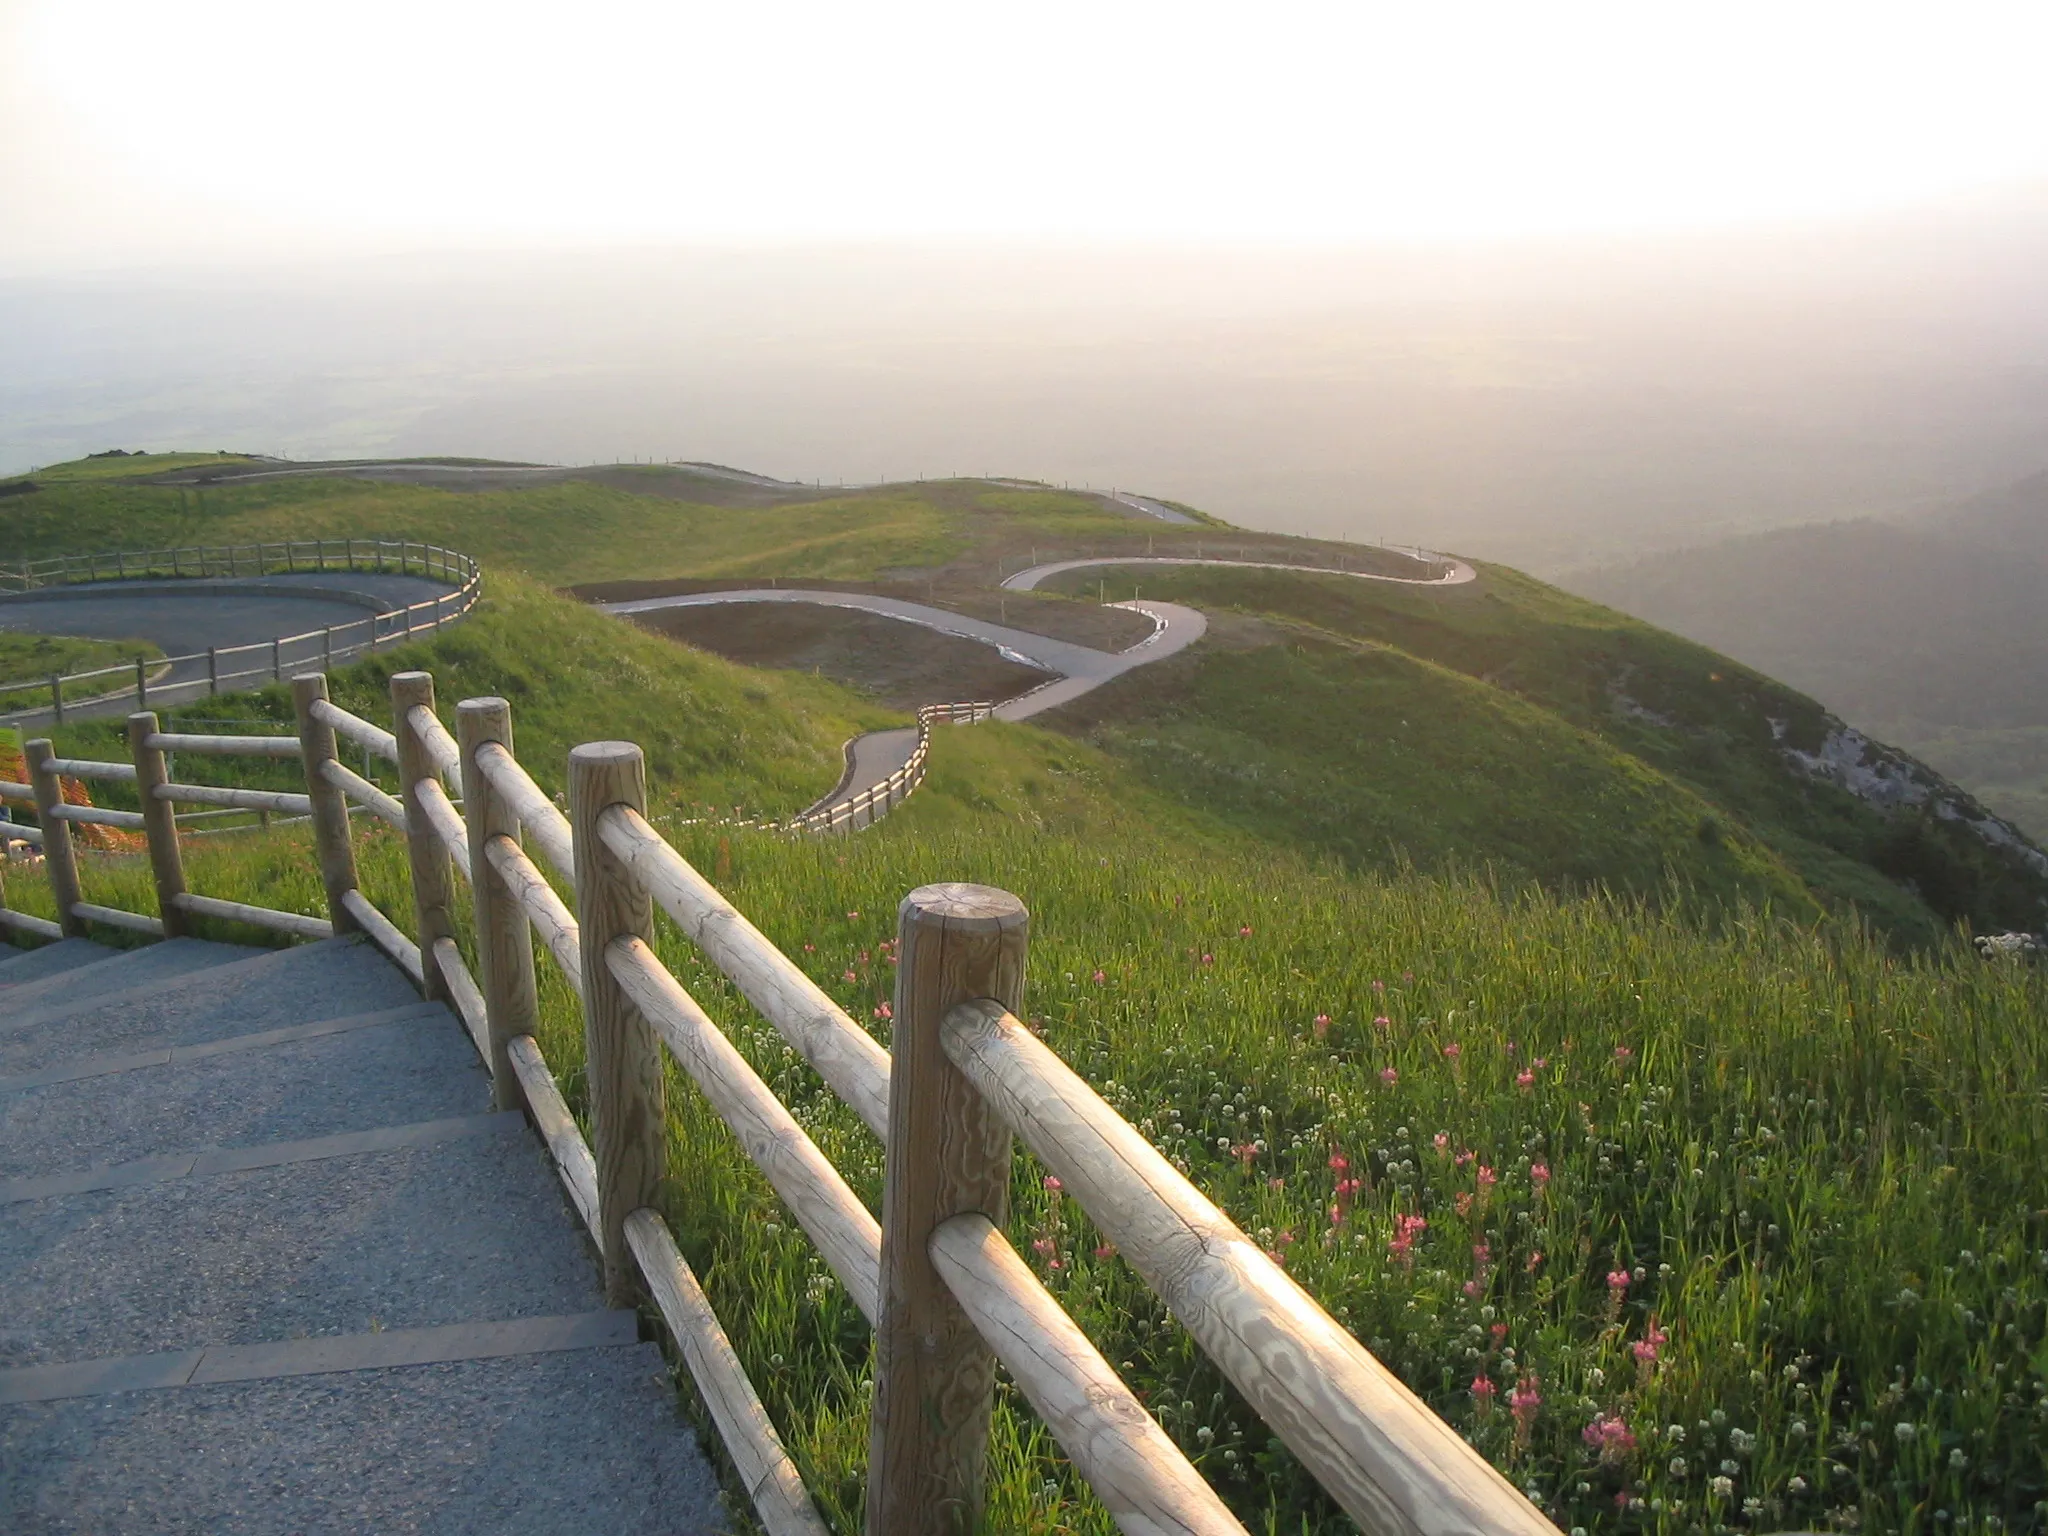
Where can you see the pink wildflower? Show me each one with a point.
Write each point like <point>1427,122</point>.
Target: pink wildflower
<point>1487,1178</point>
<point>853,917</point>
<point>1526,1399</point>
<point>1454,1050</point>
<point>1533,1261</point>
<point>1539,1174</point>
<point>1617,1281</point>
<point>1339,1161</point>
<point>1402,1244</point>
<point>884,1011</point>
<point>1482,1392</point>
<point>1245,932</point>
<point>1105,1250</point>
<point>1041,1246</point>
<point>1276,1183</point>
<point>1389,1076</point>
<point>1464,1156</point>
<point>1208,959</point>
<point>1464,1202</point>
<point>1647,1348</point>
<point>1100,977</point>
<point>852,976</point>
<point>1245,1153</point>
<point>1500,1334</point>
<point>1475,1288</point>
<point>1052,1183</point>
<point>1610,1437</point>
<point>1524,1079</point>
<point>1379,986</point>
<point>1622,1053</point>
<point>1381,1021</point>
<point>1441,1140</point>
<point>810,949</point>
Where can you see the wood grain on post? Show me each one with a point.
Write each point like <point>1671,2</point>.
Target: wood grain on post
<point>433,882</point>
<point>60,862</point>
<point>1375,1447</point>
<point>504,944</point>
<point>948,1155</point>
<point>621,1054</point>
<point>159,823</point>
<point>330,808</point>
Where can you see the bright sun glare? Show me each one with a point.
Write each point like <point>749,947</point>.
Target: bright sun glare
<point>609,120</point>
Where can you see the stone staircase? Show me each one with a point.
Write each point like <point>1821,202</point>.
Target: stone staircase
<point>268,1263</point>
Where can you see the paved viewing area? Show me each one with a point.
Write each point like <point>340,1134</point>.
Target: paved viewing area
<point>271,1264</point>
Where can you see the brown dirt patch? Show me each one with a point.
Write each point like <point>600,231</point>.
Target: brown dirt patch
<point>899,665</point>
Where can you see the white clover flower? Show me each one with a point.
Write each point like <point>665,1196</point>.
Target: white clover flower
<point>1721,1487</point>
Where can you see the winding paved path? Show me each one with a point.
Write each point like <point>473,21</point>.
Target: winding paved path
<point>1075,669</point>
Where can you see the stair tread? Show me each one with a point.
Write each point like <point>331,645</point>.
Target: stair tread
<point>269,990</point>
<point>569,1443</point>
<point>417,1068</point>
<point>459,1231</point>
<point>26,965</point>
<point>117,971</point>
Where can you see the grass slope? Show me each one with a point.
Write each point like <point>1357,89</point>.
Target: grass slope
<point>31,660</point>
<point>1690,715</point>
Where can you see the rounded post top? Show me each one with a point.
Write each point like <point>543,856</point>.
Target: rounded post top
<point>488,705</point>
<point>145,718</point>
<point>964,908</point>
<point>604,754</point>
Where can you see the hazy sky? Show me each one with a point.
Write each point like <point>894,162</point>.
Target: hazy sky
<point>131,130</point>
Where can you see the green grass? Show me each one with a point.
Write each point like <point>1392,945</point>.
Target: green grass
<point>27,662</point>
<point>1817,1163</point>
<point>128,466</point>
<point>1693,717</point>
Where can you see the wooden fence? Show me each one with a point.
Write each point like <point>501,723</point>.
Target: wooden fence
<point>945,1292</point>
<point>231,666</point>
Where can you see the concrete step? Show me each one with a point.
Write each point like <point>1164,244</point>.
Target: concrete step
<point>466,1229</point>
<point>560,1444</point>
<point>273,989</point>
<point>64,955</point>
<point>116,971</point>
<point>349,1074</point>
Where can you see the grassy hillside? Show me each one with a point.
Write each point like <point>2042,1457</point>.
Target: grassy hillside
<point>25,658</point>
<point>1757,1206</point>
<point>1924,632</point>
<point>1693,717</point>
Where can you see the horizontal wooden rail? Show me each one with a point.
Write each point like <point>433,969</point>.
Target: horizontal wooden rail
<point>93,815</point>
<point>354,728</point>
<point>224,746</point>
<point>12,791</point>
<point>114,917</point>
<point>557,1128</point>
<point>281,801</point>
<point>257,917</point>
<point>464,993</point>
<point>90,768</point>
<point>839,1050</point>
<point>1373,1445</point>
<point>549,914</point>
<point>22,832</point>
<point>446,821</point>
<point>383,805</point>
<point>22,922</point>
<point>541,817</point>
<point>846,1232</point>
<point>384,934</point>
<point>759,1457</point>
<point>1140,1475</point>
<point>438,745</point>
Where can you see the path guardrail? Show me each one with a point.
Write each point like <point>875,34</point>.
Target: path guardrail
<point>239,665</point>
<point>945,1292</point>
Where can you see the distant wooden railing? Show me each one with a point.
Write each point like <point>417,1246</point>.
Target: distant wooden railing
<point>945,1292</point>
<point>231,666</point>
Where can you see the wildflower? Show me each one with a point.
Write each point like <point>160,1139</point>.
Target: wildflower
<point>1381,1021</point>
<point>1245,1153</point>
<point>1052,1183</point>
<point>1721,1487</point>
<point>1539,1174</point>
<point>1408,976</point>
<point>1379,986</point>
<point>1339,1161</point>
<point>1464,1156</point>
<point>1464,1202</point>
<point>1622,1053</point>
<point>1389,1076</point>
<point>1482,1254</point>
<point>1530,1264</point>
<point>1524,1079</point>
<point>1610,1437</point>
<point>1482,1392</point>
<point>1441,1140</point>
<point>1286,1239</point>
<point>1475,1288</point>
<point>1402,1244</point>
<point>1322,1026</point>
<point>1105,1250</point>
<point>1245,932</point>
<point>1524,1400</point>
<point>1100,977</point>
<point>1208,959</point>
<point>1796,1486</point>
<point>810,949</point>
<point>1650,1345</point>
<point>1500,1334</point>
<point>1617,1281</point>
<point>1041,1246</point>
<point>883,1011</point>
<point>1542,1062</point>
<point>1276,1184</point>
<point>1487,1178</point>
<point>1453,1051</point>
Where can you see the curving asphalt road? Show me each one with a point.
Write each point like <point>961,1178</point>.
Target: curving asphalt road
<point>1459,573</point>
<point>207,612</point>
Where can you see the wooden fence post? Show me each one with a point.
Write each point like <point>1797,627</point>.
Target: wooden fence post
<point>947,1153</point>
<point>623,1065</point>
<point>433,878</point>
<point>56,699</point>
<point>159,823</point>
<point>212,672</point>
<point>60,862</point>
<point>141,683</point>
<point>504,941</point>
<point>330,806</point>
